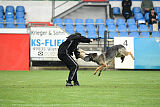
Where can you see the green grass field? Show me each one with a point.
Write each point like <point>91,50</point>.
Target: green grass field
<point>112,89</point>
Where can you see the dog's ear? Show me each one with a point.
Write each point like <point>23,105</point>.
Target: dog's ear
<point>122,59</point>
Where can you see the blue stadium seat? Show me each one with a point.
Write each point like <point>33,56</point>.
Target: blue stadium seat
<point>78,21</point>
<point>9,15</point>
<point>101,34</point>
<point>69,28</point>
<point>111,28</point>
<point>19,15</point>
<point>157,9</point>
<point>99,21</point>
<point>1,15</point>
<point>138,16</point>
<point>68,21</point>
<point>1,23</point>
<point>81,29</point>
<point>10,26</point>
<point>20,9</point>
<point>83,33</point>
<point>131,22</point>
<point>57,21</point>
<point>151,28</point>
<point>143,28</point>
<point>136,10</point>
<point>10,23</point>
<point>89,21</point>
<point>1,9</point>
<point>20,23</point>
<point>60,25</point>
<point>101,29</point>
<point>90,27</point>
<point>123,34</point>
<point>145,34</point>
<point>10,9</point>
<point>122,28</point>
<point>112,35</point>
<point>147,17</point>
<point>92,34</point>
<point>110,22</point>
<point>116,11</point>
<point>132,28</point>
<point>21,26</point>
<point>134,34</point>
<point>120,22</point>
<point>155,34</point>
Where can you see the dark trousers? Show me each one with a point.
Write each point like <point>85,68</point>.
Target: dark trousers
<point>71,65</point>
<point>127,15</point>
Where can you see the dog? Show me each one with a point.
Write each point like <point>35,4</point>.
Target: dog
<point>104,59</point>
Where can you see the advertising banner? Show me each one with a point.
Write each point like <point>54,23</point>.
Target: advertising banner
<point>145,50</point>
<point>147,53</point>
<point>128,43</point>
<point>14,53</point>
<point>44,41</point>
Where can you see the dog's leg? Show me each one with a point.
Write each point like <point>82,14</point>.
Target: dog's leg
<point>102,69</point>
<point>129,53</point>
<point>98,68</point>
<point>100,72</point>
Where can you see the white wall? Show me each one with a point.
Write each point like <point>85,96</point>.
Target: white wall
<point>64,7</point>
<point>37,11</point>
<point>40,11</point>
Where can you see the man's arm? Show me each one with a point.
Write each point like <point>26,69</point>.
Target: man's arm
<point>76,53</point>
<point>83,39</point>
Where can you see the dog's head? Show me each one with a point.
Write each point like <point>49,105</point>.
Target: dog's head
<point>91,57</point>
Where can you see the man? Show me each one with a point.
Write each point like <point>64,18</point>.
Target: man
<point>65,52</point>
<point>126,10</point>
<point>146,5</point>
<point>152,17</point>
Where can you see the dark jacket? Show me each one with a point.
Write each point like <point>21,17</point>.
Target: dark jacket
<point>152,17</point>
<point>146,4</point>
<point>70,45</point>
<point>126,6</point>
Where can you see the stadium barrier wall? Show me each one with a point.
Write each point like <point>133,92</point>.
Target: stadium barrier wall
<point>145,50</point>
<point>147,53</point>
<point>14,53</point>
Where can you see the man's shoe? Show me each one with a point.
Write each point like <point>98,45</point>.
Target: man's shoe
<point>76,83</point>
<point>68,83</point>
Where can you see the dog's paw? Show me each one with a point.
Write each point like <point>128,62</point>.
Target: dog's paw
<point>99,74</point>
<point>94,73</point>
